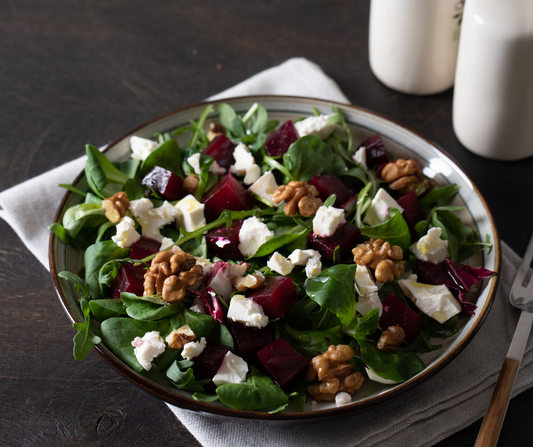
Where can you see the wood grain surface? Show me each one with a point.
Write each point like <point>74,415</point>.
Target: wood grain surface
<point>77,72</point>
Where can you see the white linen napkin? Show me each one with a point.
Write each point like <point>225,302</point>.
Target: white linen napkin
<point>451,400</point>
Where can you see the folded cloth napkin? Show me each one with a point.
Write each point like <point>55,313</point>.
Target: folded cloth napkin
<point>444,404</point>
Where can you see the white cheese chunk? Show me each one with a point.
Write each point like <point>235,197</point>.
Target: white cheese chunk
<point>364,281</point>
<point>197,309</point>
<point>342,398</point>
<point>194,161</point>
<point>431,247</point>
<point>206,265</point>
<point>193,349</point>
<point>156,218</point>
<point>366,303</point>
<point>252,235</point>
<point>379,208</point>
<point>327,220</point>
<point>373,376</point>
<point>147,348</point>
<point>360,157</point>
<point>313,267</point>
<point>246,311</point>
<point>142,147</point>
<point>265,186</point>
<point>279,264</point>
<point>252,174</point>
<point>232,370</point>
<point>435,301</point>
<point>138,207</point>
<point>315,125</point>
<point>126,234</point>
<point>165,243</point>
<point>190,213</point>
<point>221,242</point>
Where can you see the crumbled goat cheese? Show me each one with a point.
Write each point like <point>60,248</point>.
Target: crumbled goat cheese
<point>279,264</point>
<point>360,157</point>
<point>232,370</point>
<point>147,348</point>
<point>142,147</point>
<point>379,208</point>
<point>193,349</point>
<point>327,220</point>
<point>245,164</point>
<point>252,235</point>
<point>156,218</point>
<point>190,213</point>
<point>315,125</point>
<point>431,248</point>
<point>265,186</point>
<point>342,398</point>
<point>246,311</point>
<point>126,234</point>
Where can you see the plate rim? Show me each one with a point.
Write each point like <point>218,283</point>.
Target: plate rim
<point>191,404</point>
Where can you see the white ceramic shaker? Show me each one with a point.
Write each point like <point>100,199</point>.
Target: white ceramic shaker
<point>413,43</point>
<point>493,97</point>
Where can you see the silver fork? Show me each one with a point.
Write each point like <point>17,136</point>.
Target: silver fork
<point>521,296</point>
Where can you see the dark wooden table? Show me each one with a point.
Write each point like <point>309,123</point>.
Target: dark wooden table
<point>87,72</point>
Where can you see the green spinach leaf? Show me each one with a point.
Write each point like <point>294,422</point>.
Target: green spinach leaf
<point>394,230</point>
<point>308,157</point>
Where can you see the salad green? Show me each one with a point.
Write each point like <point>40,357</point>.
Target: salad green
<point>331,307</point>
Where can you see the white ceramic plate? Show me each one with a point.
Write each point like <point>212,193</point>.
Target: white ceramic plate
<point>402,143</point>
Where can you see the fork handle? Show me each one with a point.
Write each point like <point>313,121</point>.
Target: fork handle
<point>492,423</point>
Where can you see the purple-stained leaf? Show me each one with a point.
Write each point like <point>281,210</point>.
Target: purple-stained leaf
<point>465,275</point>
<point>212,304</point>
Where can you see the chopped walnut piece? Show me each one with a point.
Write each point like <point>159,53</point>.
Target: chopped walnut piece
<point>190,183</point>
<point>404,176</point>
<point>116,206</point>
<point>391,339</point>
<point>334,372</point>
<point>215,129</point>
<point>178,338</point>
<point>399,168</point>
<point>299,197</point>
<point>244,283</point>
<point>171,273</point>
<point>379,255</point>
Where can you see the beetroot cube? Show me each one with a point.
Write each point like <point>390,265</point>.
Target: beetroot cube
<point>227,194</point>
<point>249,340</point>
<point>412,212</point>
<point>144,247</point>
<point>278,142</point>
<point>346,237</point>
<point>221,149</point>
<point>397,313</point>
<point>375,150</point>
<point>224,242</point>
<point>276,296</point>
<point>165,183</point>
<point>282,362</point>
<point>328,184</point>
<point>207,363</point>
<point>129,279</point>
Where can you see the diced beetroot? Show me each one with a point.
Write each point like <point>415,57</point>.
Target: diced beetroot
<point>397,313</point>
<point>328,184</point>
<point>144,247</point>
<point>412,212</point>
<point>350,204</point>
<point>207,363</point>
<point>227,194</point>
<point>221,149</point>
<point>129,279</point>
<point>432,273</point>
<point>276,297</point>
<point>282,362</point>
<point>278,142</point>
<point>375,150</point>
<point>249,340</point>
<point>224,242</point>
<point>165,183</point>
<point>346,237</point>
<point>210,299</point>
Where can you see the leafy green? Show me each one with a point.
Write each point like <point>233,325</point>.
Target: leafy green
<point>107,308</point>
<point>83,215</point>
<point>334,289</point>
<point>205,397</point>
<point>314,342</point>
<point>362,328</point>
<point>182,376</point>
<point>308,157</point>
<point>288,235</point>
<point>142,308</point>
<point>201,324</point>
<point>298,395</point>
<point>118,333</point>
<point>60,232</point>
<point>85,339</point>
<point>258,393</point>
<point>167,156</point>
<point>77,281</point>
<point>100,172</point>
<point>222,336</point>
<point>231,121</point>
<point>439,195</point>
<point>394,230</point>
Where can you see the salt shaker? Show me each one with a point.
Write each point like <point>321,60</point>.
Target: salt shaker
<point>493,97</point>
<point>413,43</point>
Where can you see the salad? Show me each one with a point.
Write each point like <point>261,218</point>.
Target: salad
<point>264,265</point>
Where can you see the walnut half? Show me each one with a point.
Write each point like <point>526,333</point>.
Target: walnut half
<point>334,372</point>
<point>381,256</point>
<point>299,197</point>
<point>178,338</point>
<point>391,339</point>
<point>171,273</point>
<point>116,206</point>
